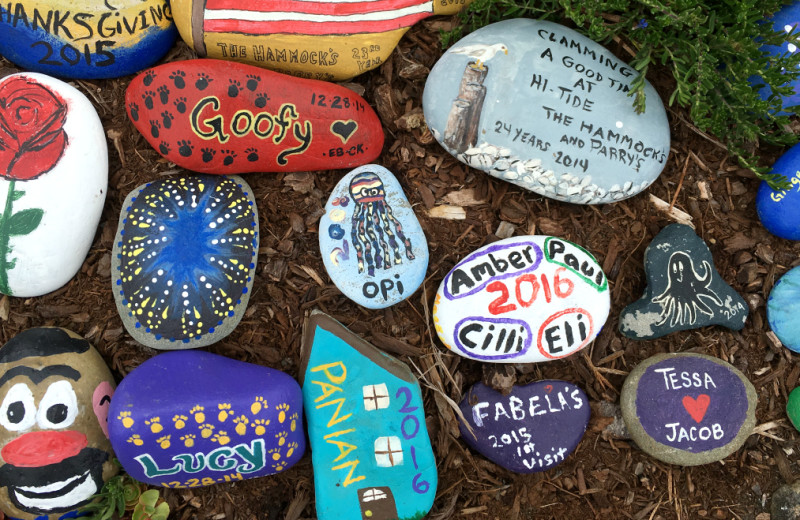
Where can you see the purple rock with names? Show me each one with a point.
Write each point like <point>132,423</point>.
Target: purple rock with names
<point>532,429</point>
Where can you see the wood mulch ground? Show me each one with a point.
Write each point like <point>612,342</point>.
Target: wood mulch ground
<point>607,477</point>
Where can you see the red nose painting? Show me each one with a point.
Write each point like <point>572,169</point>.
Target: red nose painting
<point>221,117</point>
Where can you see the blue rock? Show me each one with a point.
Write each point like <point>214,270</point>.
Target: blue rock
<point>779,211</point>
<point>371,242</point>
<point>783,307</point>
<point>369,444</point>
<point>184,259</point>
<point>191,418</point>
<point>92,40</point>
<point>541,106</point>
<point>785,20</point>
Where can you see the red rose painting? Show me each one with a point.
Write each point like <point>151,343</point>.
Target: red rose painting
<point>32,137</point>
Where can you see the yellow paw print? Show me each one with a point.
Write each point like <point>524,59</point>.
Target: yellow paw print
<point>199,416</point>
<point>281,438</point>
<point>206,430</point>
<point>279,466</point>
<point>154,424</point>
<point>125,417</point>
<point>180,421</point>
<point>260,426</point>
<point>188,440</point>
<point>294,418</point>
<point>163,441</point>
<point>135,439</point>
<point>241,424</point>
<point>259,404</point>
<point>276,454</point>
<point>282,409</point>
<point>222,438</point>
<point>290,451</point>
<point>224,412</point>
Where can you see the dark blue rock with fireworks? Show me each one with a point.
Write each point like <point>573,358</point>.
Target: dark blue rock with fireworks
<point>184,259</point>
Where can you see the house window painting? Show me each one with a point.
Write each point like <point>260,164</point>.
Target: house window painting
<point>388,452</point>
<point>376,397</point>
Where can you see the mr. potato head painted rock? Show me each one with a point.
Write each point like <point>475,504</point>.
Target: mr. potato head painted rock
<point>54,448</point>
<point>212,116</point>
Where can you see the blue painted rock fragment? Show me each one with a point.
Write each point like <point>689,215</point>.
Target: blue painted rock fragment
<point>785,20</point>
<point>684,290</point>
<point>783,306</point>
<point>369,444</point>
<point>688,409</point>
<point>89,39</point>
<point>532,429</point>
<point>779,211</point>
<point>184,258</point>
<point>372,244</point>
<point>191,418</point>
<point>587,145</point>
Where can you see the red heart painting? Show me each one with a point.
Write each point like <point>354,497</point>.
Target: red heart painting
<point>697,407</point>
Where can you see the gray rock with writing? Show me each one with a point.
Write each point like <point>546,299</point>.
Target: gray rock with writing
<point>684,290</point>
<point>543,107</point>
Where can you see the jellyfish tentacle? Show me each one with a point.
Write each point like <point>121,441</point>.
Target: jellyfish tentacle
<point>399,230</point>
<point>356,234</point>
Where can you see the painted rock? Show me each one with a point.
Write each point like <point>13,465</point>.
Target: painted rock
<point>55,390</point>
<point>785,20</point>
<point>54,160</point>
<point>184,258</point>
<point>524,299</point>
<point>532,429</point>
<point>86,38</point>
<point>321,39</point>
<point>587,145</point>
<point>793,408</point>
<point>213,116</point>
<point>779,211</point>
<point>783,306</point>
<point>369,444</point>
<point>684,290</point>
<point>191,418</point>
<point>369,213</point>
<point>785,503</point>
<point>688,409</point>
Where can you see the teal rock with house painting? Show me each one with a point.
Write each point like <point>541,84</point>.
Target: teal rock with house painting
<point>370,448</point>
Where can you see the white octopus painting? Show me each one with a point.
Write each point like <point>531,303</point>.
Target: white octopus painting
<point>687,292</point>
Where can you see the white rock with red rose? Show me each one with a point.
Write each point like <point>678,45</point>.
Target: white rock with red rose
<point>53,182</point>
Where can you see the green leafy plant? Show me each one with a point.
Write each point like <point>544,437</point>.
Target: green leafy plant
<point>710,47</point>
<point>122,493</point>
<point>149,508</point>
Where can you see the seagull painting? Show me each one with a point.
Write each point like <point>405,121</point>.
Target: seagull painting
<point>480,53</point>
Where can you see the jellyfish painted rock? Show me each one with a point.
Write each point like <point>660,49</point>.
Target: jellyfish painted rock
<point>372,244</point>
<point>783,306</point>
<point>55,391</point>
<point>684,290</point>
<point>184,258</point>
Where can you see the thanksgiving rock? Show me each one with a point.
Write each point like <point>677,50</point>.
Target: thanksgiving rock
<point>372,244</point>
<point>53,182</point>
<point>184,258</point>
<point>524,299</point>
<point>55,391</point>
<point>213,116</point>
<point>779,210</point>
<point>688,409</point>
<point>370,448</point>
<point>541,106</point>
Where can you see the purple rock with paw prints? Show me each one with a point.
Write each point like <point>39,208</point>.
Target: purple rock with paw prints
<point>532,429</point>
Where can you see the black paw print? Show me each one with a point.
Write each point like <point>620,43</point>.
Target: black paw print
<point>154,127</point>
<point>134,110</point>
<point>229,156</point>
<point>234,88</point>
<point>149,76</point>
<point>208,154</point>
<point>252,154</point>
<point>185,148</point>
<point>252,82</point>
<point>167,119</point>
<point>163,148</point>
<point>180,104</point>
<point>261,100</point>
<point>177,77</point>
<point>163,91</point>
<point>202,81</point>
<point>148,98</point>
